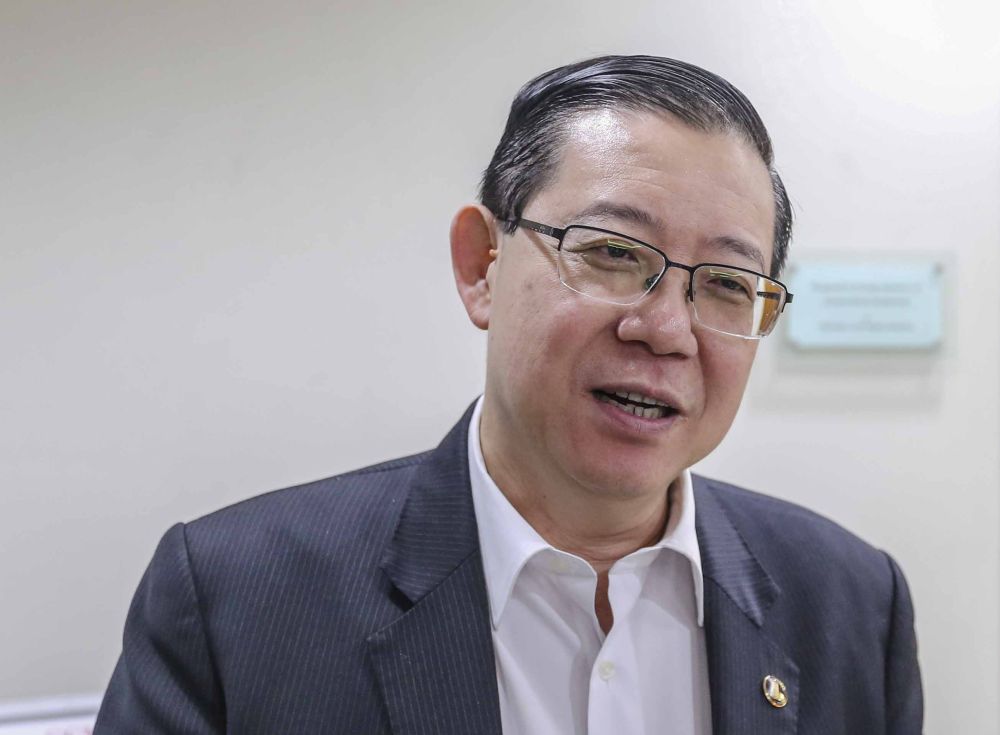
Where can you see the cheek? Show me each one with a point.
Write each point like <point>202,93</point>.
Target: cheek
<point>542,333</point>
<point>518,328</point>
<point>726,369</point>
<point>549,334</point>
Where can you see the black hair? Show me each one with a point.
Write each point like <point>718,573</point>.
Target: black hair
<point>528,150</point>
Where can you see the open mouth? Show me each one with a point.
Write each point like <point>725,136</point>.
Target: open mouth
<point>636,404</point>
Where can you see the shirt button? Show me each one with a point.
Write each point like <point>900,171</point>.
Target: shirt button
<point>605,669</point>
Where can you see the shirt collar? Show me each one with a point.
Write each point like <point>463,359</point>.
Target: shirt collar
<point>507,541</point>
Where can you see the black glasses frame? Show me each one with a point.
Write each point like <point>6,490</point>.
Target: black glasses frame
<point>559,233</point>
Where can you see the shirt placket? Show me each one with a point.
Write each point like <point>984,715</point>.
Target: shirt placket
<point>614,702</point>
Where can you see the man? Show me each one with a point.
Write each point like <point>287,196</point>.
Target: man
<point>553,566</point>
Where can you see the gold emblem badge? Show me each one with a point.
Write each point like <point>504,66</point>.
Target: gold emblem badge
<point>774,691</point>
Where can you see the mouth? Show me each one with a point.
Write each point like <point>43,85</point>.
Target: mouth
<point>636,404</point>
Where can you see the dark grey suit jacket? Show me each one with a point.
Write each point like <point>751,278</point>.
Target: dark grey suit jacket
<point>357,605</point>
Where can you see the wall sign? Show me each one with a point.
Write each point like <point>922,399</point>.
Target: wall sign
<point>866,306</point>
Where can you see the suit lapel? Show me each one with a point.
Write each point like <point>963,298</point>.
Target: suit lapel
<point>435,663</point>
<point>738,594</point>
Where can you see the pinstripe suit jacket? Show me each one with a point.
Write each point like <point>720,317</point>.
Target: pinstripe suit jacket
<point>357,605</point>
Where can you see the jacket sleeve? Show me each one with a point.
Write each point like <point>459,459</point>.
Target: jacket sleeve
<point>903,690</point>
<point>165,680</point>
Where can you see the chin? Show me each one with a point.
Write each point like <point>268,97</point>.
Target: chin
<point>622,478</point>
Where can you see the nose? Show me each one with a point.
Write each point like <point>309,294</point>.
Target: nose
<point>663,319</point>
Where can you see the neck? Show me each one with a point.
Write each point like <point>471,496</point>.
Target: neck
<point>598,525</point>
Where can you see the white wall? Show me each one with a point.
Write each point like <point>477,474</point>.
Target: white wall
<point>223,269</point>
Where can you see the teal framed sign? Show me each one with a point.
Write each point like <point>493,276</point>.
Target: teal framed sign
<point>866,305</point>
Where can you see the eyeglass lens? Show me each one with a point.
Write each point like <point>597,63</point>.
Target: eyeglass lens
<point>620,271</point>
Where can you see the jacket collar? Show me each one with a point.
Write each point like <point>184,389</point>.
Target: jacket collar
<point>435,663</point>
<point>727,560</point>
<point>437,527</point>
<point>739,592</point>
<point>437,531</point>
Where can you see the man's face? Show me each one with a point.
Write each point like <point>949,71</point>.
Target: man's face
<point>554,356</point>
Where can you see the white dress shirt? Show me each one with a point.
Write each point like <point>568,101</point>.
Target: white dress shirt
<point>557,671</point>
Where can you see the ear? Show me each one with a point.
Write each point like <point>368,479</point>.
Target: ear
<point>473,254</point>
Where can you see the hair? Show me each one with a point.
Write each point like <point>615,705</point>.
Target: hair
<point>528,151</point>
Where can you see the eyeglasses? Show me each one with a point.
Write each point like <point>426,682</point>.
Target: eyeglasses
<point>618,269</point>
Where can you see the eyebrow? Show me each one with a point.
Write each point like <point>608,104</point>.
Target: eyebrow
<point>642,218</point>
<point>740,247</point>
<point>623,212</point>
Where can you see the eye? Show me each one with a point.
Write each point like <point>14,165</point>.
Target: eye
<point>615,250</point>
<point>728,285</point>
<point>606,249</point>
<point>606,252</point>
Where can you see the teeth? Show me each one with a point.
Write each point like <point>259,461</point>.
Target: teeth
<point>646,413</point>
<point>640,398</point>
<point>657,411</point>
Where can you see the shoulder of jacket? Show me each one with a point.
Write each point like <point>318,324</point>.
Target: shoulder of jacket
<point>344,513</point>
<point>791,537</point>
<point>375,479</point>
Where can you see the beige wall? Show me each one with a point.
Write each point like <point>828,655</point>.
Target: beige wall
<point>223,269</point>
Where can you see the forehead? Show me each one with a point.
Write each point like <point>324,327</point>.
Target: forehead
<point>698,188</point>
